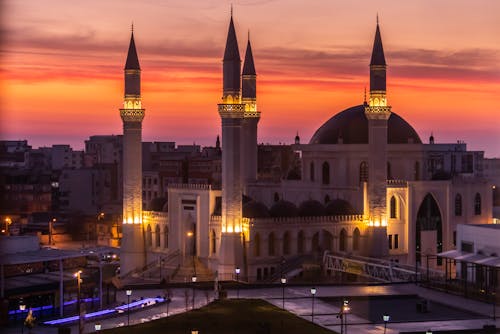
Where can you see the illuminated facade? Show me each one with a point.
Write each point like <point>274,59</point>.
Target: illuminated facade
<point>367,186</point>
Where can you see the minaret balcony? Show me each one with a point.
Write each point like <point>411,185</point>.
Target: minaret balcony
<point>231,110</point>
<point>132,115</point>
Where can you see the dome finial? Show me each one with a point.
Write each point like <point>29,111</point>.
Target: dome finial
<point>132,27</point>
<point>377,18</point>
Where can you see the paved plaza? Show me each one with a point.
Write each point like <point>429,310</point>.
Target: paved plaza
<point>446,312</point>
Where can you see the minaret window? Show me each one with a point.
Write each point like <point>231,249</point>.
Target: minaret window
<point>311,171</point>
<point>363,172</point>
<point>458,205</point>
<point>477,204</point>
<point>393,207</point>
<point>326,173</point>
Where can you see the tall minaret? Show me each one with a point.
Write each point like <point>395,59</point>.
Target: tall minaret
<point>377,112</point>
<point>232,113</point>
<point>251,118</point>
<point>133,253</point>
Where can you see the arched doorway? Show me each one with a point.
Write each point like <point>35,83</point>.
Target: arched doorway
<point>343,240</point>
<point>429,229</point>
<point>327,242</point>
<point>301,239</point>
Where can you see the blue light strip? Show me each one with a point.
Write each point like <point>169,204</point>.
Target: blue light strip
<point>120,309</point>
<point>49,307</point>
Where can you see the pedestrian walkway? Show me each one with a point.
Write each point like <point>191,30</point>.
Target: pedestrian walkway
<point>298,300</point>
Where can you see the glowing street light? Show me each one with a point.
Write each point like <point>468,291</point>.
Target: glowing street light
<point>313,293</point>
<point>77,275</point>
<point>283,282</point>
<point>128,293</point>
<point>386,318</point>
<point>22,308</point>
<point>97,327</point>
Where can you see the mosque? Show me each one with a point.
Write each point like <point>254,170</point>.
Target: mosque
<point>369,186</point>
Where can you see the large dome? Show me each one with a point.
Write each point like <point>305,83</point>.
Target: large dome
<point>352,126</point>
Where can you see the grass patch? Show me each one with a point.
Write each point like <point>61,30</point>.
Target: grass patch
<point>230,316</point>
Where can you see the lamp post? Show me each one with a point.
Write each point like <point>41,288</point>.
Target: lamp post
<point>386,319</point>
<point>99,217</point>
<point>22,308</point>
<point>193,279</point>
<point>129,293</point>
<point>283,282</point>
<point>97,327</point>
<point>237,271</point>
<point>313,293</point>
<point>51,222</point>
<point>345,310</point>
<point>77,275</point>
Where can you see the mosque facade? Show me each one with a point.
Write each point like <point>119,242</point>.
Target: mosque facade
<point>368,186</point>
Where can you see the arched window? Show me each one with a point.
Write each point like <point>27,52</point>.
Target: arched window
<point>271,244</point>
<point>393,207</point>
<point>311,171</point>
<point>363,172</point>
<point>343,240</point>
<point>165,237</point>
<point>149,237</point>
<point>389,171</point>
<point>256,245</point>
<point>416,171</point>
<point>355,239</point>
<point>213,243</point>
<point>325,173</point>
<point>477,204</point>
<point>458,205</point>
<point>286,243</point>
<point>157,236</point>
<point>300,242</point>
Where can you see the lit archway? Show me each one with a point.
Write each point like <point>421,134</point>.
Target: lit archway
<point>428,219</point>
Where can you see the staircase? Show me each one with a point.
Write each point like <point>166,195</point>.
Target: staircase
<point>190,267</point>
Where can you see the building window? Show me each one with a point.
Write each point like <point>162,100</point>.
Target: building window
<point>458,205</point>
<point>300,242</point>
<point>276,197</point>
<point>149,237</point>
<point>454,238</point>
<point>256,245</point>
<point>311,171</point>
<point>477,204</point>
<point>157,236</point>
<point>355,239</point>
<point>165,237</point>
<point>270,244</point>
<point>343,240</point>
<point>363,172</point>
<point>326,173</point>
<point>389,171</point>
<point>390,241</point>
<point>393,207</point>
<point>396,241</point>
<point>213,242</point>
<point>327,199</point>
<point>286,243</point>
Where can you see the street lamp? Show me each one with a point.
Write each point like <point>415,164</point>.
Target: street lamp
<point>51,222</point>
<point>283,282</point>
<point>97,327</point>
<point>313,293</point>
<point>193,279</point>
<point>128,293</point>
<point>77,275</point>
<point>345,310</point>
<point>428,331</point>
<point>237,271</point>
<point>22,308</point>
<point>386,318</point>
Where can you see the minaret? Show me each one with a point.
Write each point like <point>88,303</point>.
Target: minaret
<point>232,113</point>
<point>377,112</point>
<point>133,253</point>
<point>251,118</point>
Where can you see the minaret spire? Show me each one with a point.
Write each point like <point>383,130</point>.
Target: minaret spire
<point>231,67</point>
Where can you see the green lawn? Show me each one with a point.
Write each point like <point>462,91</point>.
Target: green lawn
<point>229,316</point>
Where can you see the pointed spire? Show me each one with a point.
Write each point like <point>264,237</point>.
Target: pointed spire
<point>378,51</point>
<point>231,52</point>
<point>248,65</point>
<point>132,62</point>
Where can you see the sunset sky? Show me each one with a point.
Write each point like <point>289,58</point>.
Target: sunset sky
<point>62,66</point>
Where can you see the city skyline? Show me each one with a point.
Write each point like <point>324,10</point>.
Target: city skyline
<point>63,66</point>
